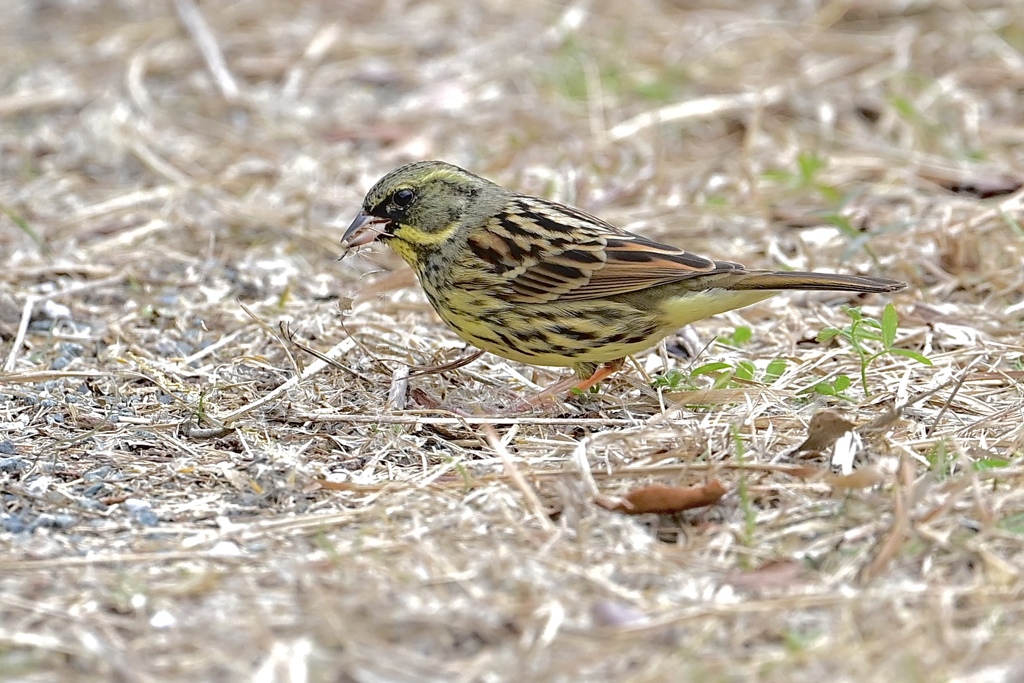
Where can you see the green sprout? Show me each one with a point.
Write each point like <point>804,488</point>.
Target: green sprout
<point>865,333</point>
<point>723,375</point>
<point>806,177</point>
<point>740,336</point>
<point>836,388</point>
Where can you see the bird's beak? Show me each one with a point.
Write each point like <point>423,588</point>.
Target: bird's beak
<point>363,230</point>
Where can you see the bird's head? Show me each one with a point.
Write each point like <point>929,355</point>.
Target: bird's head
<point>421,205</point>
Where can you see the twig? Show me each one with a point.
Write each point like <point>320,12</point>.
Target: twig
<point>201,33</point>
<point>532,501</point>
<point>698,108</point>
<point>398,393</point>
<point>952,395</point>
<point>407,419</point>
<point>339,349</point>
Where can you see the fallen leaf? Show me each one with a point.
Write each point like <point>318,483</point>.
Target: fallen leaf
<point>863,478</point>
<point>805,472</point>
<point>664,500</point>
<point>336,485</point>
<point>823,431</point>
<point>771,574</point>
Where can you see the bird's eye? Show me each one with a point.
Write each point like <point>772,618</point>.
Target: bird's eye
<point>403,198</point>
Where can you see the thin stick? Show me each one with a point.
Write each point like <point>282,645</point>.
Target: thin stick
<point>407,419</point>
<point>339,349</point>
<point>698,108</point>
<point>532,501</point>
<point>201,33</point>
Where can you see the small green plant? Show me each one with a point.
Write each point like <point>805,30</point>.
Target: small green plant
<point>723,375</point>
<point>1014,523</point>
<point>720,372</point>
<point>740,336</point>
<point>23,224</point>
<point>941,460</point>
<point>796,641</point>
<point>835,210</point>
<point>863,332</point>
<point>991,464</point>
<point>836,388</point>
<point>575,73</point>
<point>1013,223</point>
<point>774,370</point>
<point>805,178</point>
<point>674,380</point>
<point>905,108</point>
<point>858,239</point>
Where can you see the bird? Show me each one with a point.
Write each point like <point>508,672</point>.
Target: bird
<point>543,283</point>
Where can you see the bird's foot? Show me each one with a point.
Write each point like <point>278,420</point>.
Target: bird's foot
<point>571,384</point>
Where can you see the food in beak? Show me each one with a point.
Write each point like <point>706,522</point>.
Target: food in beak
<point>363,230</point>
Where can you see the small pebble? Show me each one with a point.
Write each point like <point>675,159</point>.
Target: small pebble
<point>94,490</point>
<point>13,524</point>
<point>13,464</point>
<point>147,518</point>
<point>71,349</point>
<point>98,473</point>
<point>141,511</point>
<point>54,521</point>
<point>53,310</point>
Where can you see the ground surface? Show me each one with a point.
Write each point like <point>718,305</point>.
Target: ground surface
<point>177,505</point>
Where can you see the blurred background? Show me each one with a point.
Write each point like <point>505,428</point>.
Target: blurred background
<point>715,123</point>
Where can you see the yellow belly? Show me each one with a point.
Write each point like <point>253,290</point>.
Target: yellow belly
<point>569,333</point>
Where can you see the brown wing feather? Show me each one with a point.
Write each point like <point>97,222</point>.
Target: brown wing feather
<point>546,251</point>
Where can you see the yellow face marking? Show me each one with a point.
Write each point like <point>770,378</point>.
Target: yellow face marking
<point>407,239</point>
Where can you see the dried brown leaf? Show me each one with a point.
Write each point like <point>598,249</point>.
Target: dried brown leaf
<point>771,574</point>
<point>661,499</point>
<point>862,478</point>
<point>823,431</point>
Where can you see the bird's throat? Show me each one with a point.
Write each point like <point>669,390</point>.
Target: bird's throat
<point>415,245</point>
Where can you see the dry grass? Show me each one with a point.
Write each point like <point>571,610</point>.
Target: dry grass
<point>187,496</point>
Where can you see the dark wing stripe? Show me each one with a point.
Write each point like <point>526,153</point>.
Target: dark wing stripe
<point>581,256</point>
<point>549,252</point>
<point>632,256</point>
<point>560,271</point>
<point>549,223</point>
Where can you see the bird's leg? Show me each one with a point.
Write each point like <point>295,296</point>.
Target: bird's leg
<point>572,383</point>
<point>600,374</point>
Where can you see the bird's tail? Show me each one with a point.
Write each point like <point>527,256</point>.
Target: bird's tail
<point>776,280</point>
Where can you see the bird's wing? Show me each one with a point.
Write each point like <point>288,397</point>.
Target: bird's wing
<point>542,251</point>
